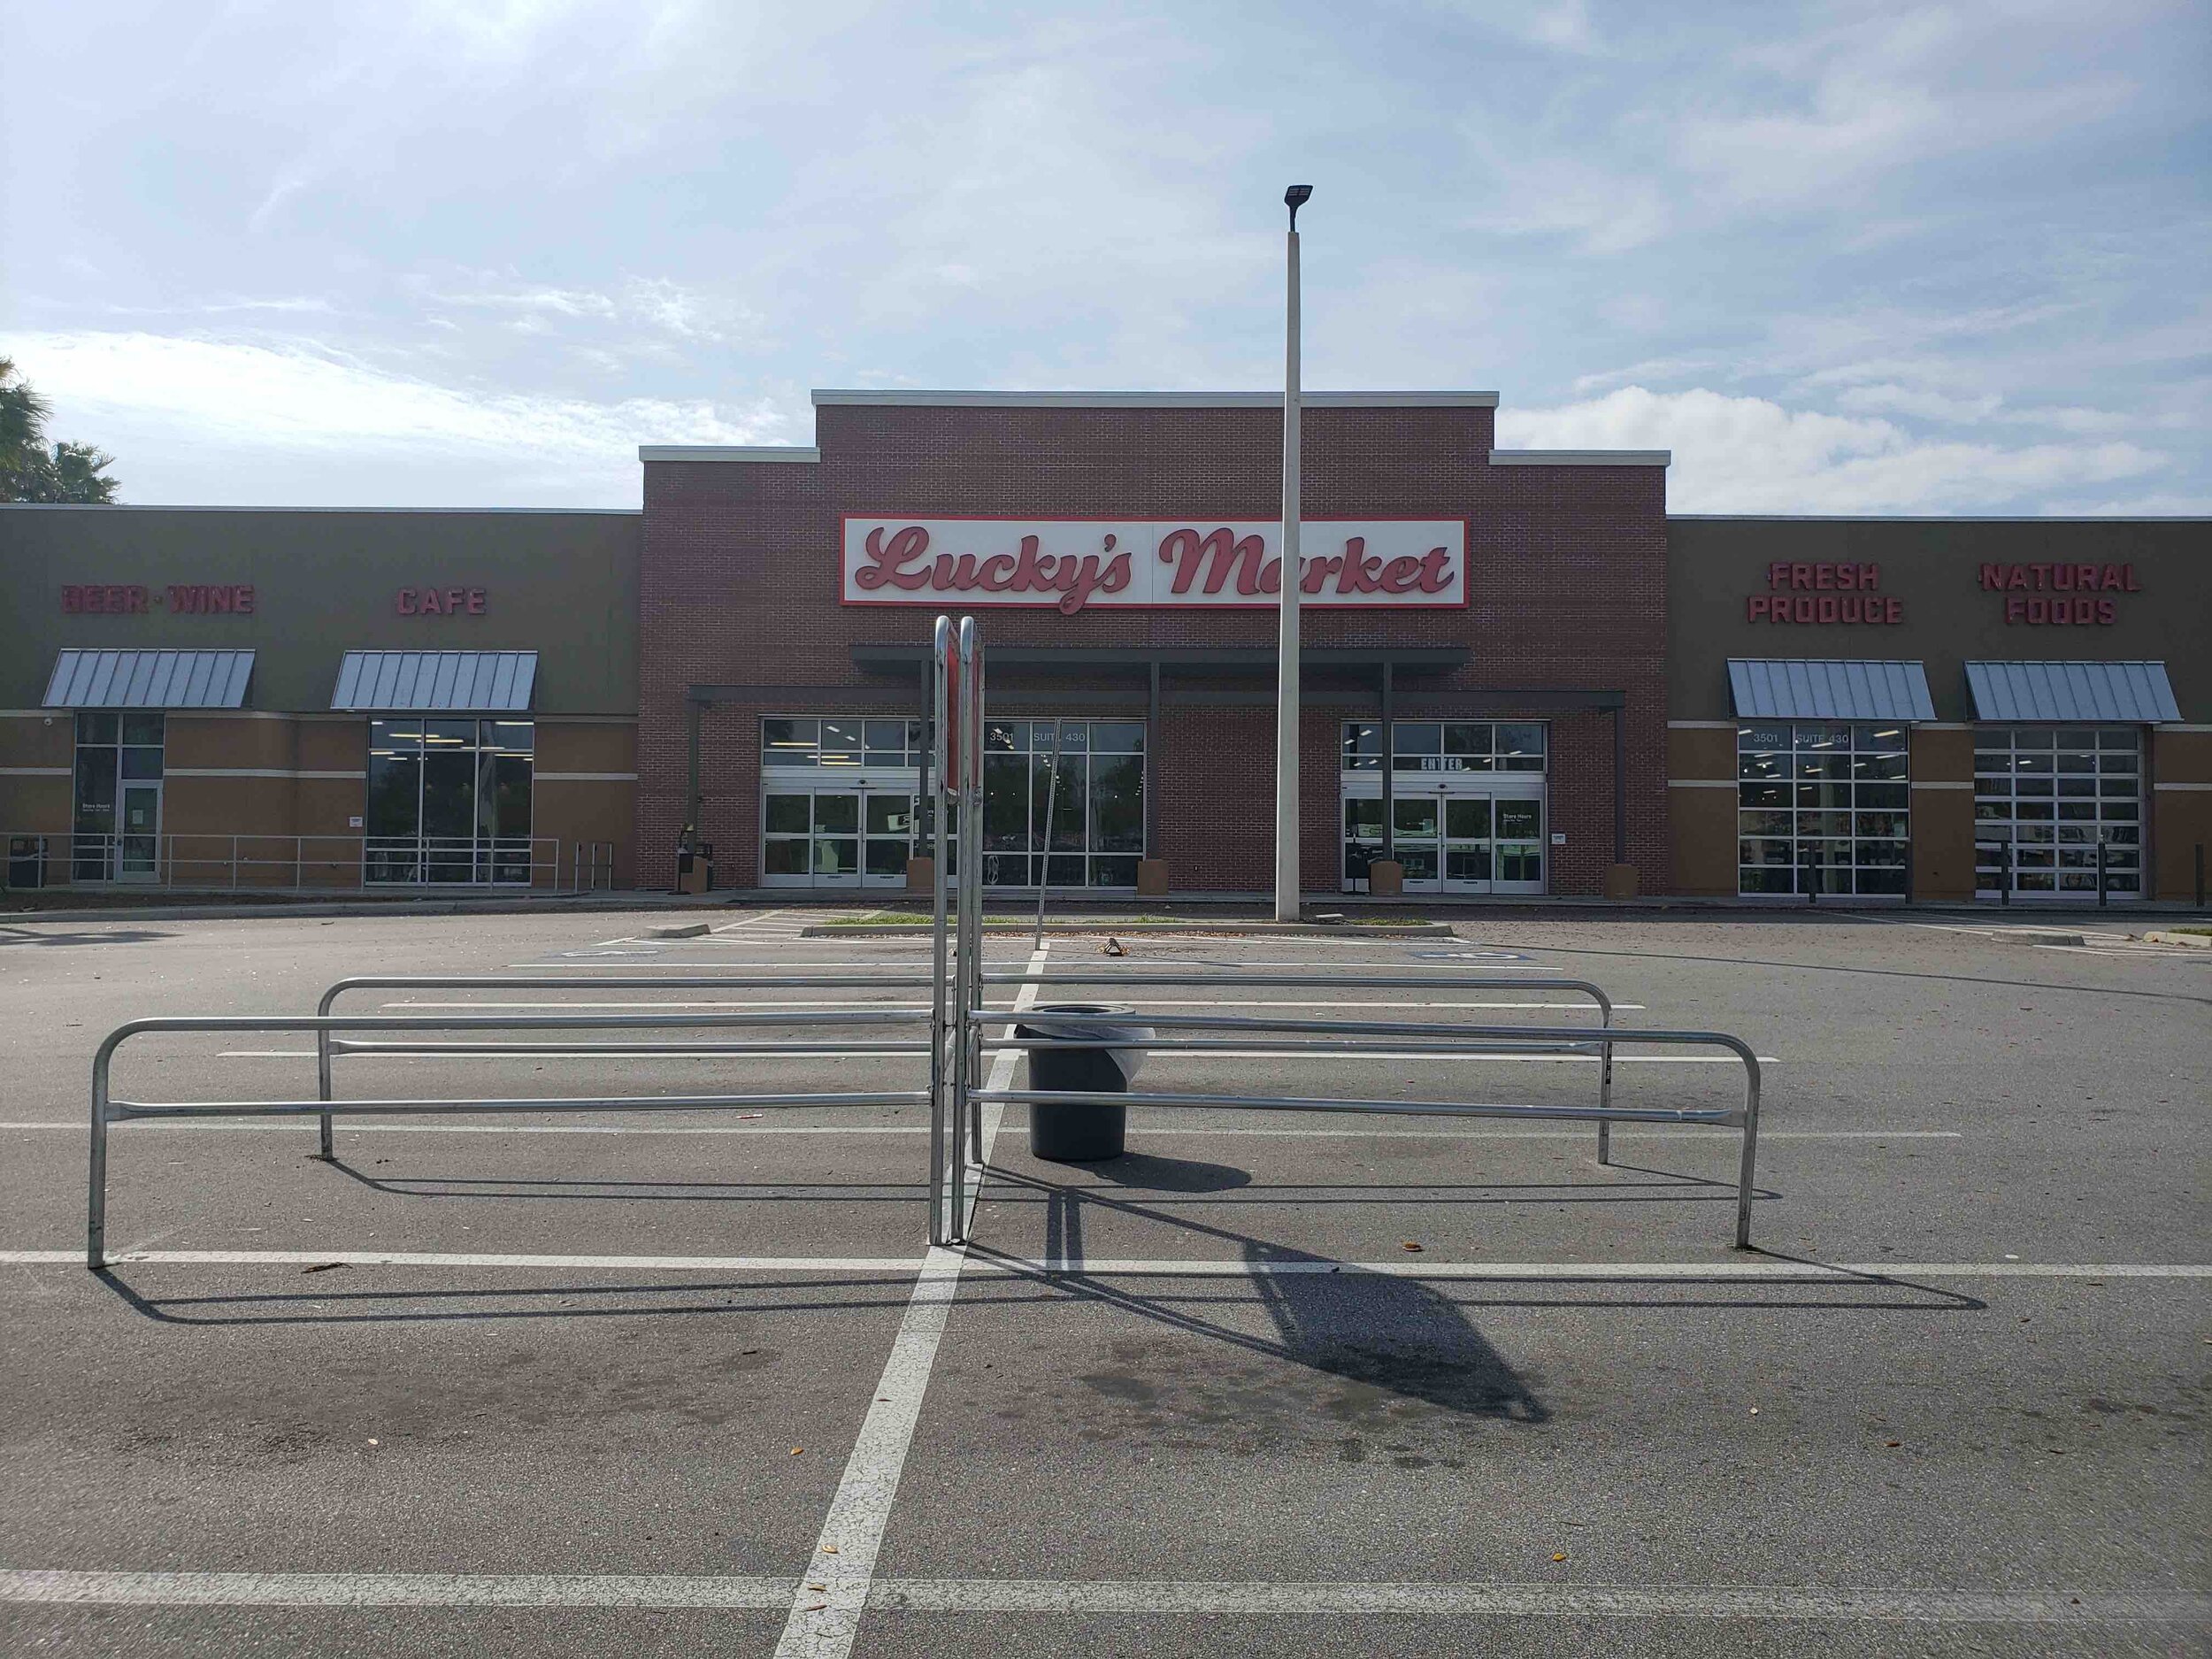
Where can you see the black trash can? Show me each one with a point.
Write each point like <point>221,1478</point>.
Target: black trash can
<point>26,861</point>
<point>1080,1132</point>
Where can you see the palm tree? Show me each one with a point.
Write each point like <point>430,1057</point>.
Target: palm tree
<point>30,469</point>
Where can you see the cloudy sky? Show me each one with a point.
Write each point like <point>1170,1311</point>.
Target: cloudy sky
<point>1935,258</point>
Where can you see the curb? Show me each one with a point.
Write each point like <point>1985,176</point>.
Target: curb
<point>1227,930</point>
<point>278,910</point>
<point>2195,941</point>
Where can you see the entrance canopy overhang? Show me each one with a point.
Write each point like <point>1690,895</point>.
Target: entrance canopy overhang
<point>1828,689</point>
<point>149,679</point>
<point>431,682</point>
<point>2135,694</point>
<point>1131,675</point>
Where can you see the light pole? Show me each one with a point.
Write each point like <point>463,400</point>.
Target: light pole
<point>1287,646</point>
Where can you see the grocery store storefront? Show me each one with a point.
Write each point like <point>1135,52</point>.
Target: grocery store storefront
<point>1482,673</point>
<point>1916,708</point>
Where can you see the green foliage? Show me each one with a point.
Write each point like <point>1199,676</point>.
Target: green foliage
<point>31,469</point>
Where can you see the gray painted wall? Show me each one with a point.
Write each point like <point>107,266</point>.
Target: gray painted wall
<point>1933,566</point>
<point>563,584</point>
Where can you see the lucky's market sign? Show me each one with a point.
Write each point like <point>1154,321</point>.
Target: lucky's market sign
<point>1074,564</point>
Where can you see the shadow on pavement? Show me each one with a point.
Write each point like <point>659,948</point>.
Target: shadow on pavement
<point>110,936</point>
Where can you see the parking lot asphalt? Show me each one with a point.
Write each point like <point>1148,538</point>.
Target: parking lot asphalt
<point>595,1381</point>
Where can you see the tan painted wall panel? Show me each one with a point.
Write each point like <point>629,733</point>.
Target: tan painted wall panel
<point>200,740</point>
<point>574,812</point>
<point>1942,819</point>
<point>334,745</point>
<point>1701,827</point>
<point>2180,819</point>
<point>35,803</point>
<point>329,805</point>
<point>586,746</point>
<point>1701,752</point>
<point>37,740</point>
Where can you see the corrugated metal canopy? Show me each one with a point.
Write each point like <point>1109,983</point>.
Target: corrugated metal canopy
<point>2135,693</point>
<point>149,679</point>
<point>1817,689</point>
<point>467,682</point>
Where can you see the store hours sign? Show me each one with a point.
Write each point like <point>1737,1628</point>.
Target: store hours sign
<point>1073,565</point>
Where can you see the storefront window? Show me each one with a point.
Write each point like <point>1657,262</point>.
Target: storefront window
<point>449,800</point>
<point>840,741</point>
<point>116,795</point>
<point>1823,806</point>
<point>1446,746</point>
<point>2045,798</point>
<point>1096,814</point>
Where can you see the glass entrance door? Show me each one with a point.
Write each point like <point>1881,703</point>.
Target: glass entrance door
<point>836,838</point>
<point>888,819</point>
<point>1466,835</point>
<point>1517,850</point>
<point>138,842</point>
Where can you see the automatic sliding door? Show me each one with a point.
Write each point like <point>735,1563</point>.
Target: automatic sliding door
<point>889,823</point>
<point>836,861</point>
<point>1413,825</point>
<point>1519,844</point>
<point>1467,844</point>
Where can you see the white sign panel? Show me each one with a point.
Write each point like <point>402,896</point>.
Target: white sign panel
<point>1073,565</point>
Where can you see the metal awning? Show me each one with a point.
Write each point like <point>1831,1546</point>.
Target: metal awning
<point>149,679</point>
<point>463,683</point>
<point>1768,688</point>
<point>2133,693</point>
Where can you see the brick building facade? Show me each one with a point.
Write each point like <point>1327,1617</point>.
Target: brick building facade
<point>744,617</point>
<point>1521,677</point>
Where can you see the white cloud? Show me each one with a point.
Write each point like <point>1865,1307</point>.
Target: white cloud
<point>1749,455</point>
<point>184,397</point>
<point>1890,398</point>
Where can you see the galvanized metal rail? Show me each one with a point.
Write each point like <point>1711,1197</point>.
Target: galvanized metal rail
<point>329,1029</point>
<point>956,1016</point>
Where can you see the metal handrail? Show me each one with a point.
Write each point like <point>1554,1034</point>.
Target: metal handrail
<point>1501,1039</point>
<point>106,1108</point>
<point>1420,979</point>
<point>226,860</point>
<point>327,1046</point>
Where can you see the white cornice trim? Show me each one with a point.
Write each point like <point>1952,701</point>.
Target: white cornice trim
<point>1581,457</point>
<point>1701,783</point>
<point>2181,788</point>
<point>786,452</point>
<point>379,512</point>
<point>34,772</point>
<point>583,777</point>
<point>1701,725</point>
<point>1941,783</point>
<point>1154,400</point>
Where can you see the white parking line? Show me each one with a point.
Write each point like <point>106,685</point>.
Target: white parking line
<point>900,1265</point>
<point>1157,1056</point>
<point>1551,1601</point>
<point>746,921</point>
<point>1151,1130</point>
<point>823,1624</point>
<point>1126,1267</point>
<point>2065,1606</point>
<point>852,1001</point>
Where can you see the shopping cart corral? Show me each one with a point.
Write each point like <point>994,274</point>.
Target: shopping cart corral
<point>939,1042</point>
